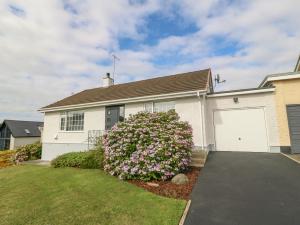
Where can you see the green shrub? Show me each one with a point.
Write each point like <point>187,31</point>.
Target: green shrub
<point>92,159</point>
<point>148,146</point>
<point>28,152</point>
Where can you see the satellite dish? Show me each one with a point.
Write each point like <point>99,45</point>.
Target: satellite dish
<point>218,80</point>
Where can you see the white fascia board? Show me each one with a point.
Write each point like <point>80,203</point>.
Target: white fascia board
<point>241,93</point>
<point>123,101</point>
<point>284,76</point>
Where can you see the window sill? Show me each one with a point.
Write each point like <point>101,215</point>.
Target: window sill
<point>71,131</point>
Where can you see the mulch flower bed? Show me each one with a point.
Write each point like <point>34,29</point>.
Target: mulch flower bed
<point>168,189</point>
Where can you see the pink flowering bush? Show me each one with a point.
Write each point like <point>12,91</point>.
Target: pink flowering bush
<point>148,146</point>
<point>28,152</point>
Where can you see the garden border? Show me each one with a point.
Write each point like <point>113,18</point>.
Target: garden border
<point>187,207</point>
<point>290,157</point>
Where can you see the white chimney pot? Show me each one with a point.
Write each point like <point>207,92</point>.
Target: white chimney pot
<point>107,80</point>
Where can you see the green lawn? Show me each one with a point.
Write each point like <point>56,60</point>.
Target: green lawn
<point>43,195</point>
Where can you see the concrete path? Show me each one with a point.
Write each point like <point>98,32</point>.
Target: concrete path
<point>36,162</point>
<point>246,188</point>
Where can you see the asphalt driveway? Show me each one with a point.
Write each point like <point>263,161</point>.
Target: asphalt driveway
<point>246,188</point>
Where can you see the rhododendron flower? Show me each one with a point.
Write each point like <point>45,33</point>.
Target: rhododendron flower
<point>148,146</point>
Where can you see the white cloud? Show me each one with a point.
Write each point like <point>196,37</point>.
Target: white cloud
<point>266,32</point>
<point>43,58</point>
<point>48,52</point>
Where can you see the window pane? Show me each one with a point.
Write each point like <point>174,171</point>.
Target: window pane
<point>122,113</point>
<point>164,106</point>
<point>148,107</point>
<point>62,123</point>
<point>74,121</point>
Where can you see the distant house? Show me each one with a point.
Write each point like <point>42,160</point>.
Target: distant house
<point>14,133</point>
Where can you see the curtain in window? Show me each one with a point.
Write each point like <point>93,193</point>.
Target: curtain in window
<point>159,106</point>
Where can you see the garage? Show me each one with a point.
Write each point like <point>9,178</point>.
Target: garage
<point>293,113</point>
<point>240,129</point>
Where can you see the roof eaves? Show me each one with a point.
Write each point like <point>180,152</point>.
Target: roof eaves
<point>283,75</point>
<point>124,101</point>
<point>242,91</point>
<point>297,67</point>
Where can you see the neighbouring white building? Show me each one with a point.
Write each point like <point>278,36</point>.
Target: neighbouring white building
<point>241,120</point>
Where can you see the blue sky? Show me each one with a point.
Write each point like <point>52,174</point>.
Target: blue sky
<point>158,26</point>
<point>50,49</point>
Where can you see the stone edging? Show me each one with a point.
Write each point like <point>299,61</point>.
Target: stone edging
<point>290,157</point>
<point>185,212</point>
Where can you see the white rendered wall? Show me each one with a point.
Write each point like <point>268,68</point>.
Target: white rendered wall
<point>261,100</point>
<point>133,108</point>
<point>189,109</point>
<point>93,120</point>
<point>56,142</point>
<point>16,142</point>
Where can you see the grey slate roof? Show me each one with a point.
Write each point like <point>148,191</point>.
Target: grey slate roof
<point>18,127</point>
<point>191,81</point>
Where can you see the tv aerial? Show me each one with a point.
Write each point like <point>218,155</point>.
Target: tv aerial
<point>218,80</point>
<point>114,59</point>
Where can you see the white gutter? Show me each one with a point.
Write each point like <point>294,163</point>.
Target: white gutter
<point>241,92</point>
<point>123,101</point>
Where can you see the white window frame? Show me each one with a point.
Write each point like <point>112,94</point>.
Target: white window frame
<point>151,104</point>
<point>146,106</point>
<point>65,127</point>
<point>62,126</point>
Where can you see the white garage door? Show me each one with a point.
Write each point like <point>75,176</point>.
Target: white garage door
<point>241,130</point>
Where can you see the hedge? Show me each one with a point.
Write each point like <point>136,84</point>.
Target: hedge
<point>92,159</point>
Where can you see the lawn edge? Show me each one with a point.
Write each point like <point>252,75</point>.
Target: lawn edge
<point>187,207</point>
